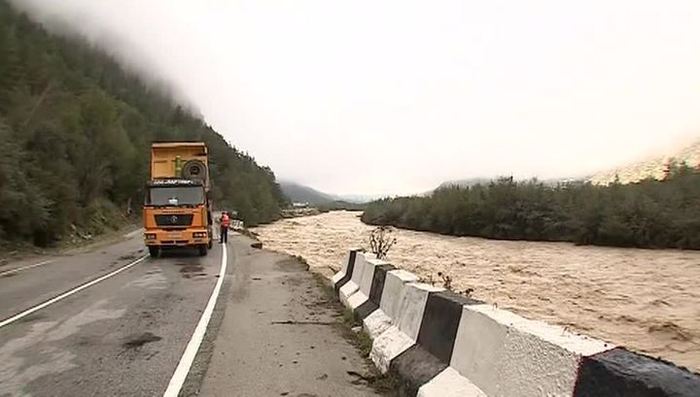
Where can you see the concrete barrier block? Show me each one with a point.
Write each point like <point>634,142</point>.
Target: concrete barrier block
<point>402,335</point>
<point>505,354</point>
<point>352,286</point>
<point>368,274</point>
<point>376,323</point>
<point>375,292</point>
<point>620,372</point>
<point>356,300</point>
<point>412,307</point>
<point>441,317</point>
<point>375,320</point>
<point>378,281</point>
<point>414,368</point>
<point>364,279</point>
<point>478,345</point>
<point>342,277</point>
<point>449,383</point>
<point>388,346</point>
<point>346,291</point>
<point>393,292</point>
<point>335,279</point>
<point>348,259</point>
<point>358,271</point>
<point>437,343</point>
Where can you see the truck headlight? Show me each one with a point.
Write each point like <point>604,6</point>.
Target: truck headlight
<point>199,234</point>
<point>150,236</point>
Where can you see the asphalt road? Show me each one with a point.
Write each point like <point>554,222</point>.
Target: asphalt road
<point>126,334</point>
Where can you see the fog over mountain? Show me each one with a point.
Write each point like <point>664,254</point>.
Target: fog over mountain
<point>305,194</point>
<point>396,97</point>
<point>653,167</point>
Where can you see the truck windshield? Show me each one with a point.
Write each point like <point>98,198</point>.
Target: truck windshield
<point>175,195</point>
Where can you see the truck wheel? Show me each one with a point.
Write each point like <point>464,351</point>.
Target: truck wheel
<point>203,250</point>
<point>154,251</point>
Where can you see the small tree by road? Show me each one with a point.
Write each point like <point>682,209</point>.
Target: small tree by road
<point>381,241</point>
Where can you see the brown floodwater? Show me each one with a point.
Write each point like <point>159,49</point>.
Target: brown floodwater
<point>646,300</point>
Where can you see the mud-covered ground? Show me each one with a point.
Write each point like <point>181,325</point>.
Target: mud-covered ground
<point>647,300</point>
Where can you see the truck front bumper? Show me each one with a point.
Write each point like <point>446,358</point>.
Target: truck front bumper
<point>176,238</point>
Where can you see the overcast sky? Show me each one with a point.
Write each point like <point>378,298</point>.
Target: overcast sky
<point>397,96</point>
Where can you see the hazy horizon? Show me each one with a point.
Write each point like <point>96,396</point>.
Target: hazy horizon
<point>377,98</point>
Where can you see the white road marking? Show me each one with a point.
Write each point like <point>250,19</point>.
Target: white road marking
<point>68,293</point>
<point>19,269</point>
<point>183,367</point>
<point>134,233</point>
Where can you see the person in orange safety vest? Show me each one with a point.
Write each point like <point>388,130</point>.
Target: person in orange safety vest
<point>225,222</point>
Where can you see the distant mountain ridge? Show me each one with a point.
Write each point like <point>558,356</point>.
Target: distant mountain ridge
<point>299,193</point>
<point>634,172</point>
<point>303,194</point>
<point>651,168</point>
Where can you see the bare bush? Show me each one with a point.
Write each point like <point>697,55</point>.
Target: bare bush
<point>381,241</point>
<point>427,280</point>
<point>446,280</point>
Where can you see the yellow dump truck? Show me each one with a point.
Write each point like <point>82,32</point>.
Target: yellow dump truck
<point>177,207</point>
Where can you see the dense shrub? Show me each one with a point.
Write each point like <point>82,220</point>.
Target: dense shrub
<point>650,214</point>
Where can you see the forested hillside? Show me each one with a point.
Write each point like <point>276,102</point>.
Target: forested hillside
<point>75,129</point>
<point>651,213</point>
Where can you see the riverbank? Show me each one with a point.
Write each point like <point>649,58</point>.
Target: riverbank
<point>648,214</point>
<point>647,300</point>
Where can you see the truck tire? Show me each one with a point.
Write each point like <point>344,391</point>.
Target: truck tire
<point>194,169</point>
<point>154,251</point>
<point>203,250</point>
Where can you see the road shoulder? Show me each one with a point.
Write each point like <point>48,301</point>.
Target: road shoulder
<point>275,332</point>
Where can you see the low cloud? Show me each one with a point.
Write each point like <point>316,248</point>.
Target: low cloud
<point>396,97</point>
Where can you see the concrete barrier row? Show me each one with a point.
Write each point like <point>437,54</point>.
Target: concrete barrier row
<point>439,343</point>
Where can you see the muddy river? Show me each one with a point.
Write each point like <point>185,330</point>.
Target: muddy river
<point>647,300</point>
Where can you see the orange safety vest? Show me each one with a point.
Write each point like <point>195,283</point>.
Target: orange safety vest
<point>225,221</point>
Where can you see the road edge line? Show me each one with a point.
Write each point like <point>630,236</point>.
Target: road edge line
<point>68,293</point>
<point>183,367</point>
<point>134,233</point>
<point>27,267</point>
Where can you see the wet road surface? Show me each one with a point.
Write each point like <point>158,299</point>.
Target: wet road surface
<point>126,333</point>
